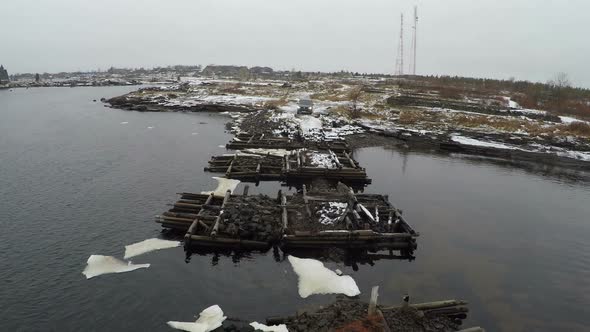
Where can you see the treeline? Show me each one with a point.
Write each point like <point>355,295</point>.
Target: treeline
<point>557,95</point>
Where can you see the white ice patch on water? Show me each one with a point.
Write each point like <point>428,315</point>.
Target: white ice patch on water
<point>209,319</point>
<point>194,134</point>
<point>148,245</point>
<point>124,122</point>
<point>474,142</point>
<point>272,328</point>
<point>315,278</point>
<point>99,264</point>
<point>223,185</point>
<point>221,146</point>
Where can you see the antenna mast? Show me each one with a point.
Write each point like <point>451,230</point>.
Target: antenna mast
<point>399,63</point>
<point>414,40</point>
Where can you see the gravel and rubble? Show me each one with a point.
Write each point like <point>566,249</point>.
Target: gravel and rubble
<point>347,314</point>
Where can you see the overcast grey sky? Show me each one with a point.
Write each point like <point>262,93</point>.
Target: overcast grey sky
<point>526,39</point>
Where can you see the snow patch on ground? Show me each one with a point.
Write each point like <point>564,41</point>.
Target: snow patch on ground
<point>272,152</point>
<point>99,265</point>
<point>209,319</point>
<point>319,159</point>
<point>309,124</point>
<point>148,245</point>
<point>474,142</point>
<point>315,278</point>
<point>331,212</point>
<point>223,185</point>
<point>569,119</point>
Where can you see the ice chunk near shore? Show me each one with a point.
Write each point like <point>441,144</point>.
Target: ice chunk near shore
<point>148,245</point>
<point>209,319</point>
<point>315,278</point>
<point>569,119</point>
<point>272,328</point>
<point>99,264</point>
<point>473,142</point>
<point>223,185</point>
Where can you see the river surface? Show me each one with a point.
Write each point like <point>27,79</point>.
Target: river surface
<point>77,179</point>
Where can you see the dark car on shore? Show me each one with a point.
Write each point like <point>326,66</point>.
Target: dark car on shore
<point>305,106</point>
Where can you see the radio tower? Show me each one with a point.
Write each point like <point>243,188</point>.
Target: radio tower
<point>399,62</point>
<point>414,28</point>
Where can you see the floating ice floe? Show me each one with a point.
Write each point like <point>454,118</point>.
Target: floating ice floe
<point>223,185</point>
<point>209,319</point>
<point>124,122</point>
<point>272,328</point>
<point>150,127</point>
<point>99,264</point>
<point>194,134</point>
<point>148,245</point>
<point>315,278</point>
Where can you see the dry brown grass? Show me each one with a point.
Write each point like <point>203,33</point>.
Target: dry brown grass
<point>274,104</point>
<point>328,96</point>
<point>233,88</point>
<point>577,129</point>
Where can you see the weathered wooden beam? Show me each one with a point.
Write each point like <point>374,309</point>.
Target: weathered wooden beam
<point>218,219</point>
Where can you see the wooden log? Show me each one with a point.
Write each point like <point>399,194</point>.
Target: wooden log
<point>366,212</point>
<point>446,311</point>
<point>473,329</point>
<point>350,160</point>
<point>373,301</point>
<point>306,201</point>
<point>197,221</point>
<point>222,242</point>
<point>431,305</point>
<point>284,207</point>
<point>335,159</point>
<point>228,172</point>
<point>377,213</point>
<point>217,220</point>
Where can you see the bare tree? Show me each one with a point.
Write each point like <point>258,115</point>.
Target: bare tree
<point>354,95</point>
<point>560,84</point>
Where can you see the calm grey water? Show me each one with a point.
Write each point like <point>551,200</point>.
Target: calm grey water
<point>77,178</point>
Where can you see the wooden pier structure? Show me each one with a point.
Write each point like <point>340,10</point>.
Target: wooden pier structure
<point>250,141</point>
<point>294,166</point>
<point>337,218</point>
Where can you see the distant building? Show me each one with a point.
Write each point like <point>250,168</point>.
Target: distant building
<point>232,71</point>
<point>3,75</point>
<point>261,71</point>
